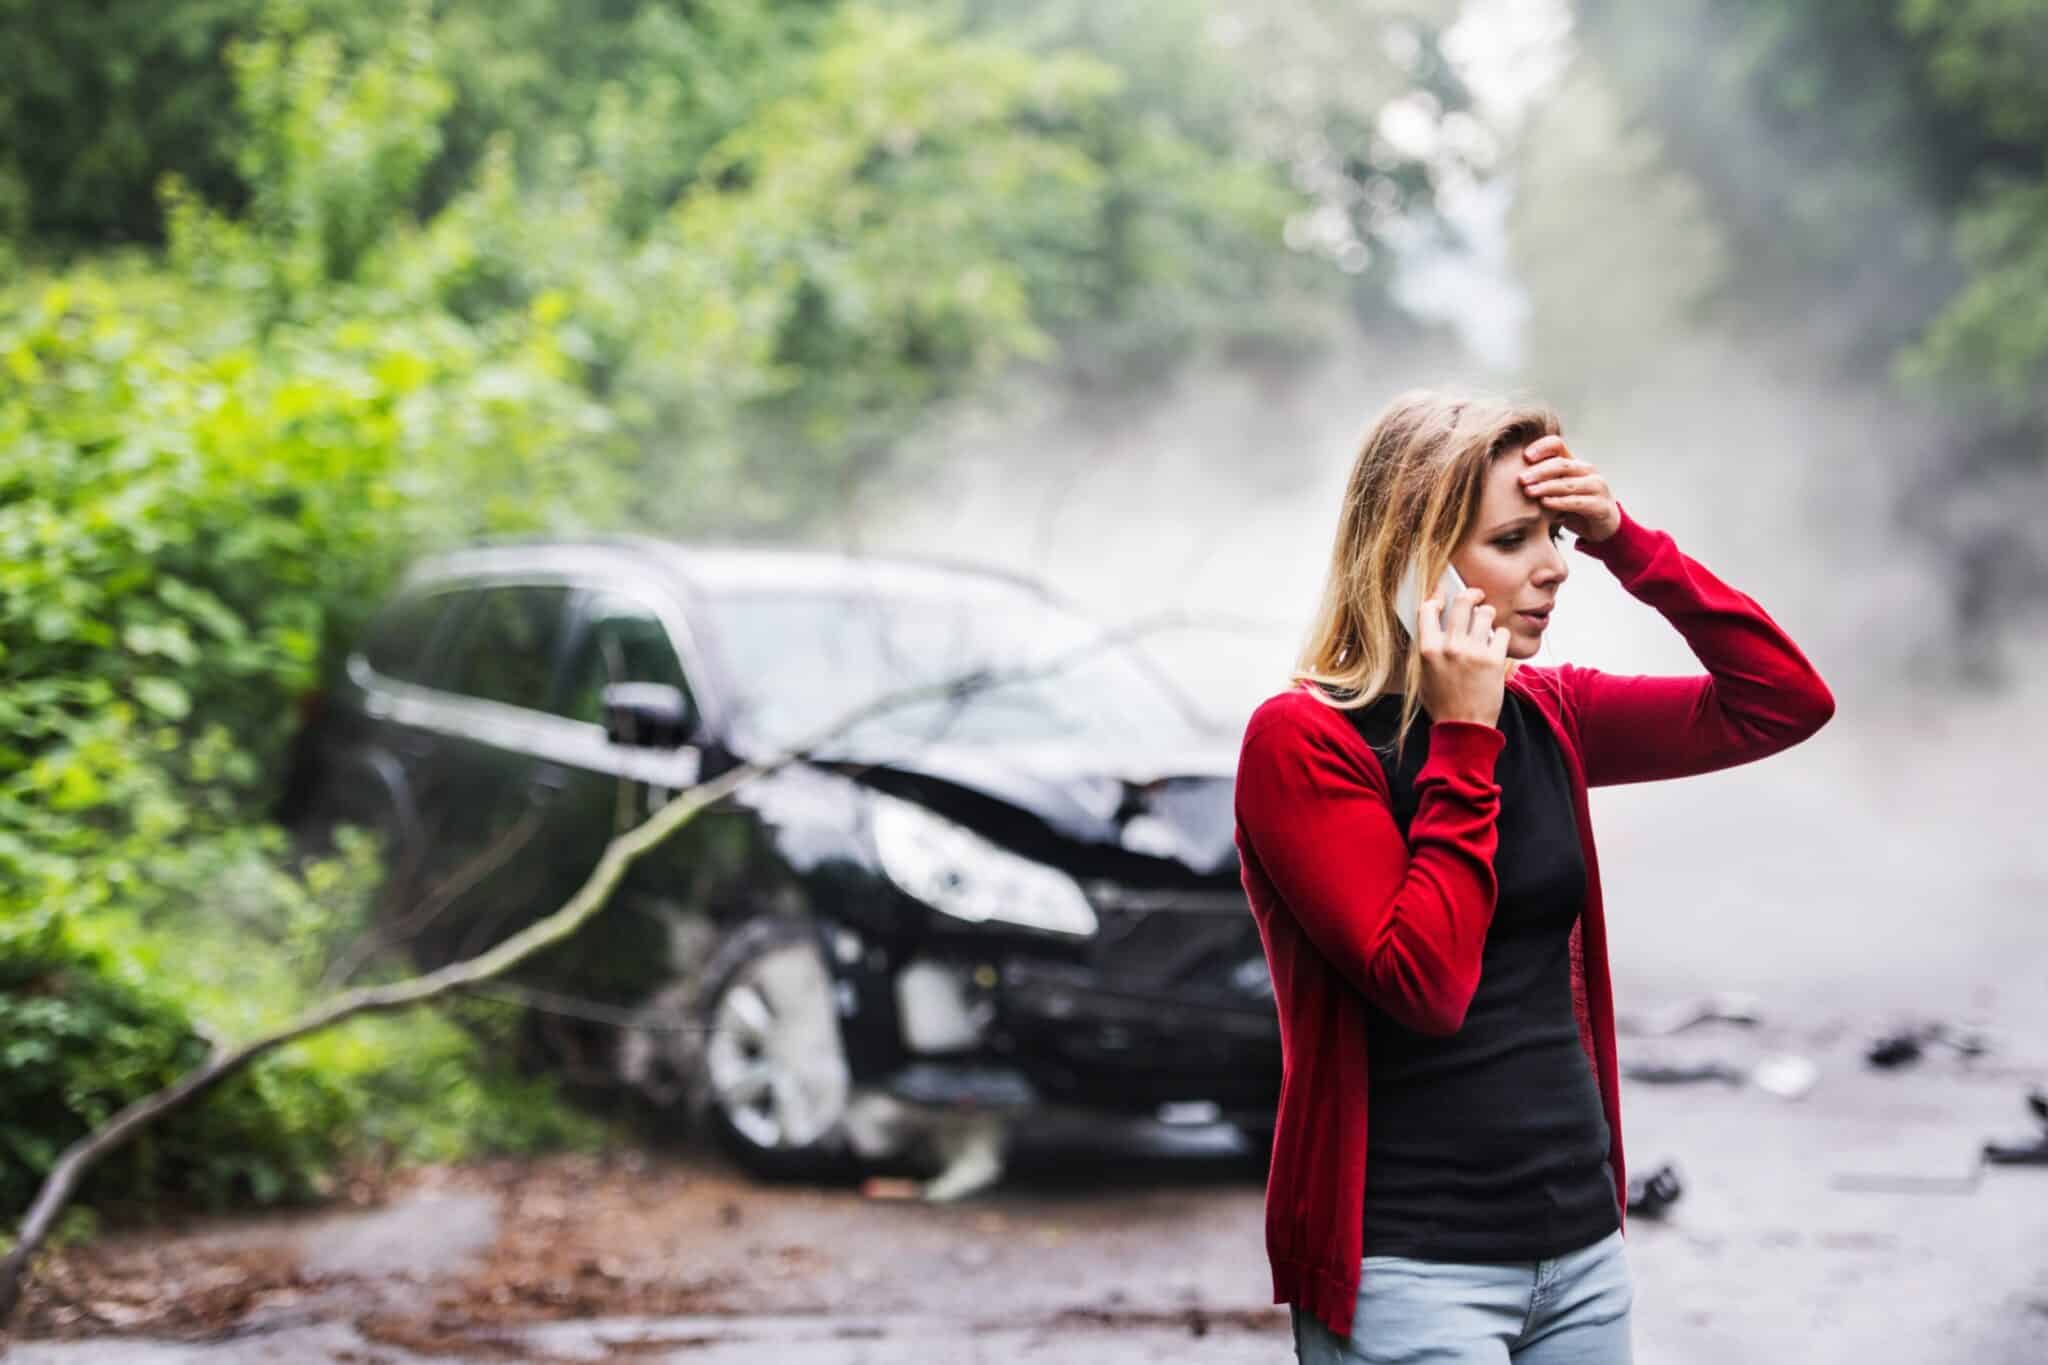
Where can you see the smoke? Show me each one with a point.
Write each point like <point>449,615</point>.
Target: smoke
<point>1218,498</point>
<point>1889,863</point>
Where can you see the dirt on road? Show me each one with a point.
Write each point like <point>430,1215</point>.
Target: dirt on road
<point>457,1261</point>
<point>1851,1225</point>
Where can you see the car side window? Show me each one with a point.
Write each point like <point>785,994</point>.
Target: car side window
<point>504,650</point>
<point>621,641</point>
<point>397,643</point>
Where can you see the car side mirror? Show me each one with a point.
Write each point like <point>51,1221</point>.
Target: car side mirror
<point>647,715</point>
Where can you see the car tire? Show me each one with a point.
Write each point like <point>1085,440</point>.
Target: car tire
<point>773,1084</point>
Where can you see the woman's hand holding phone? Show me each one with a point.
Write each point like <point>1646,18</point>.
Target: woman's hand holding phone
<point>1464,659</point>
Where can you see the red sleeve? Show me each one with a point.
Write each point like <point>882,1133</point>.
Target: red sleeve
<point>1759,694</point>
<point>1404,922</point>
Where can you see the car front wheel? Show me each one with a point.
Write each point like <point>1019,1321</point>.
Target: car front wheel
<point>774,1084</point>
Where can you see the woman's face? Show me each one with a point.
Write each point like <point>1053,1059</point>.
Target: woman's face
<point>1511,554</point>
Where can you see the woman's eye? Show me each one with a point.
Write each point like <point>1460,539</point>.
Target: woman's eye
<point>1511,542</point>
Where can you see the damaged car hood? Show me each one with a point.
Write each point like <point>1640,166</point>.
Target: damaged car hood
<point>1174,805</point>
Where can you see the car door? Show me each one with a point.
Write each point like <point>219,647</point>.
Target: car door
<point>494,771</point>
<point>616,635</point>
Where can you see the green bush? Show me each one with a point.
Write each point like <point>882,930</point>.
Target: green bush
<point>96,1017</point>
<point>85,1033</point>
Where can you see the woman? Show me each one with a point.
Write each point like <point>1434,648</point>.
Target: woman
<point>1413,831</point>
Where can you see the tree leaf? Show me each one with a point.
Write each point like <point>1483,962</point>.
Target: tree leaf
<point>164,697</point>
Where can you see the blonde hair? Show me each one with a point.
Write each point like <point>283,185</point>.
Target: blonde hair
<point>1413,491</point>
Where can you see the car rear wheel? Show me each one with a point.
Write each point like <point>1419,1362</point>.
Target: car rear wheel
<point>775,1084</point>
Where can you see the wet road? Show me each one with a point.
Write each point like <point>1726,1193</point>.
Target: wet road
<point>1849,1226</point>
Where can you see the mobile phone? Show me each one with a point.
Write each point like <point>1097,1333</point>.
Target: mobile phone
<point>1408,598</point>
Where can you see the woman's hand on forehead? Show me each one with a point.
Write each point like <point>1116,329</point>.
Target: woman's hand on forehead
<point>1570,487</point>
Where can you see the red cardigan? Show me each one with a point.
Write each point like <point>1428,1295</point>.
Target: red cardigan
<point>1351,912</point>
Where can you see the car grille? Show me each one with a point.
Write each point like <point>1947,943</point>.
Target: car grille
<point>1173,1003</point>
<point>1198,942</point>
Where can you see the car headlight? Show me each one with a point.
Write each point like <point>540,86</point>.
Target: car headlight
<point>957,872</point>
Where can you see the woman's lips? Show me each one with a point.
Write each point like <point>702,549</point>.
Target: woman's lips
<point>1539,618</point>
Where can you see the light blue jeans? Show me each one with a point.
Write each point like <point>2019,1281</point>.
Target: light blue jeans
<point>1569,1310</point>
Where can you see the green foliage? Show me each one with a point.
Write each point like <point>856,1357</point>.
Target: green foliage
<point>334,155</point>
<point>1983,58</point>
<point>189,508</point>
<point>1990,339</point>
<point>97,101</point>
<point>1892,164</point>
<point>86,1032</point>
<point>911,213</point>
<point>100,101</point>
<point>1233,128</point>
<point>196,498</point>
<point>1818,144</point>
<point>655,84</point>
<point>902,210</point>
<point>98,1012</point>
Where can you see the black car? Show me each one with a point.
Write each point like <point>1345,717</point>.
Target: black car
<point>1021,899</point>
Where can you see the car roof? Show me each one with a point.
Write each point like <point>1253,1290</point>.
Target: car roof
<point>718,569</point>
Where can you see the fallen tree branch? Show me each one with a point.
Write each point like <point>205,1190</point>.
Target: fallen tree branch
<point>395,930</point>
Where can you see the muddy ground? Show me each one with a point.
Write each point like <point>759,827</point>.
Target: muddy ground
<point>1852,1225</point>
